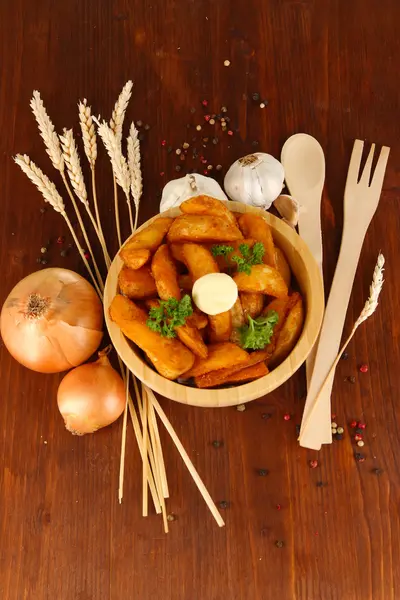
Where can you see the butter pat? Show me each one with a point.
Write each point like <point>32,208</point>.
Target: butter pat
<point>214,293</point>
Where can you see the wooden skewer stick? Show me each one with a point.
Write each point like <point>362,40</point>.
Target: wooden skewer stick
<point>197,479</point>
<point>123,442</point>
<point>157,476</point>
<point>158,450</point>
<point>145,462</point>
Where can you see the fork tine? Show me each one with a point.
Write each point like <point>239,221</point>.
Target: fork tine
<point>355,161</point>
<point>379,173</point>
<point>366,174</point>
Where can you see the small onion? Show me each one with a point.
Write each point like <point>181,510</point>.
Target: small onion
<point>91,396</point>
<point>52,321</point>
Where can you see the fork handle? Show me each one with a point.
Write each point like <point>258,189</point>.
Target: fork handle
<point>316,428</point>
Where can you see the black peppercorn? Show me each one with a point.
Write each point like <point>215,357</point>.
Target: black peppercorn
<point>64,253</point>
<point>345,355</point>
<point>320,484</point>
<point>44,261</point>
<point>266,416</point>
<point>359,457</point>
<point>223,504</point>
<point>377,471</point>
<point>338,436</point>
<point>279,544</point>
<point>217,444</point>
<point>351,379</point>
<point>263,472</point>
<point>178,168</point>
<point>147,127</point>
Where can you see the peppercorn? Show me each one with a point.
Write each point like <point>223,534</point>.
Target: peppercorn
<point>178,151</point>
<point>361,425</point>
<point>313,464</point>
<point>178,168</point>
<point>42,210</point>
<point>204,103</point>
<point>377,471</point>
<point>334,431</point>
<point>340,430</point>
<point>360,443</point>
<point>169,149</point>
<point>256,97</point>
<point>147,127</point>
<point>219,167</point>
<point>339,436</point>
<point>240,407</point>
<point>223,504</point>
<point>320,484</point>
<point>217,443</point>
<point>359,457</point>
<point>333,425</point>
<point>351,379</point>
<point>287,417</point>
<point>358,437</point>
<point>279,544</point>
<point>60,240</point>
<point>298,427</point>
<point>364,369</point>
<point>43,249</point>
<point>263,472</point>
<point>353,424</point>
<point>64,253</point>
<point>44,261</point>
<point>185,145</point>
<point>38,260</point>
<point>215,140</point>
<point>171,517</point>
<point>359,430</point>
<point>139,123</point>
<point>198,127</point>
<point>163,142</point>
<point>192,110</point>
<point>254,143</point>
<point>266,415</point>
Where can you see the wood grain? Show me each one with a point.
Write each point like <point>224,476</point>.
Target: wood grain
<point>327,68</point>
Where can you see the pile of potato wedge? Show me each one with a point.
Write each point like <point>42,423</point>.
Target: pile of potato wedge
<point>164,260</point>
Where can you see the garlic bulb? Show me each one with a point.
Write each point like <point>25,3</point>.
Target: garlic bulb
<point>255,179</point>
<point>288,208</point>
<point>190,186</point>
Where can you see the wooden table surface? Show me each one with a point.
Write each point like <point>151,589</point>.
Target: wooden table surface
<point>329,68</point>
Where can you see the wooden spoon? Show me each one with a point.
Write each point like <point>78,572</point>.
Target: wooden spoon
<point>304,163</point>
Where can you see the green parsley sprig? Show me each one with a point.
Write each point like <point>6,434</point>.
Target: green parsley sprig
<point>168,315</point>
<point>249,256</point>
<point>258,333</point>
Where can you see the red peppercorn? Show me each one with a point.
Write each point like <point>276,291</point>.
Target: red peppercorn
<point>204,102</point>
<point>333,417</point>
<point>353,424</point>
<point>278,507</point>
<point>364,369</point>
<point>287,417</point>
<point>230,132</point>
<point>86,255</point>
<point>164,143</point>
<point>162,173</point>
<point>358,437</point>
<point>313,464</point>
<point>60,240</point>
<point>361,425</point>
<point>207,117</point>
<point>205,172</point>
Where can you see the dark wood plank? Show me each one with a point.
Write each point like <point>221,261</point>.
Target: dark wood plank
<point>329,68</point>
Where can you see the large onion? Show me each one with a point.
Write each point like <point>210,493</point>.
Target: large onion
<point>52,321</point>
<point>91,396</point>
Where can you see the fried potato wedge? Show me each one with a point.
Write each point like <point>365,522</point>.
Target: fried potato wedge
<point>220,376</point>
<point>185,282</point>
<point>134,258</point>
<point>256,227</point>
<point>177,252</point>
<point>262,279</point>
<point>165,274</point>
<point>198,319</point>
<point>252,304</point>
<point>205,205</point>
<point>220,356</point>
<point>282,265</point>
<point>137,283</point>
<point>248,374</point>
<point>203,228</point>
<point>192,338</point>
<point>169,356</point>
<point>238,320</point>
<point>220,327</point>
<point>199,261</point>
<point>150,237</point>
<point>289,332</point>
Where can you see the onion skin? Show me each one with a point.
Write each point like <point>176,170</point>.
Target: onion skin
<point>52,321</point>
<point>91,396</point>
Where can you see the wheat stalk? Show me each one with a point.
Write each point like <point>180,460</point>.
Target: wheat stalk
<point>74,169</point>
<point>369,308</point>
<point>135,170</point>
<point>118,114</point>
<point>47,132</point>
<point>90,145</point>
<point>88,132</point>
<point>51,195</point>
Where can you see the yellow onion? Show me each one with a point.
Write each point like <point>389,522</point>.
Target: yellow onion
<point>52,321</point>
<point>91,396</point>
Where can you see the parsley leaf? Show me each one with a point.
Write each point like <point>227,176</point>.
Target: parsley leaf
<point>250,257</point>
<point>221,250</point>
<point>168,315</point>
<point>258,333</point>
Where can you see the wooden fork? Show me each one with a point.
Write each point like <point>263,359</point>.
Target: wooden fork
<point>361,199</point>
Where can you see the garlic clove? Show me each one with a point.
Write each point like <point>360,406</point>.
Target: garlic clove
<point>178,190</point>
<point>288,208</point>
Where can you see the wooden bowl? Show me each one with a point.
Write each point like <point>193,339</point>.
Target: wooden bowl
<point>306,272</point>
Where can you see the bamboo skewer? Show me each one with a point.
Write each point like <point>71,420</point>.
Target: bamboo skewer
<point>185,457</point>
<point>123,442</point>
<point>158,450</point>
<point>145,463</point>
